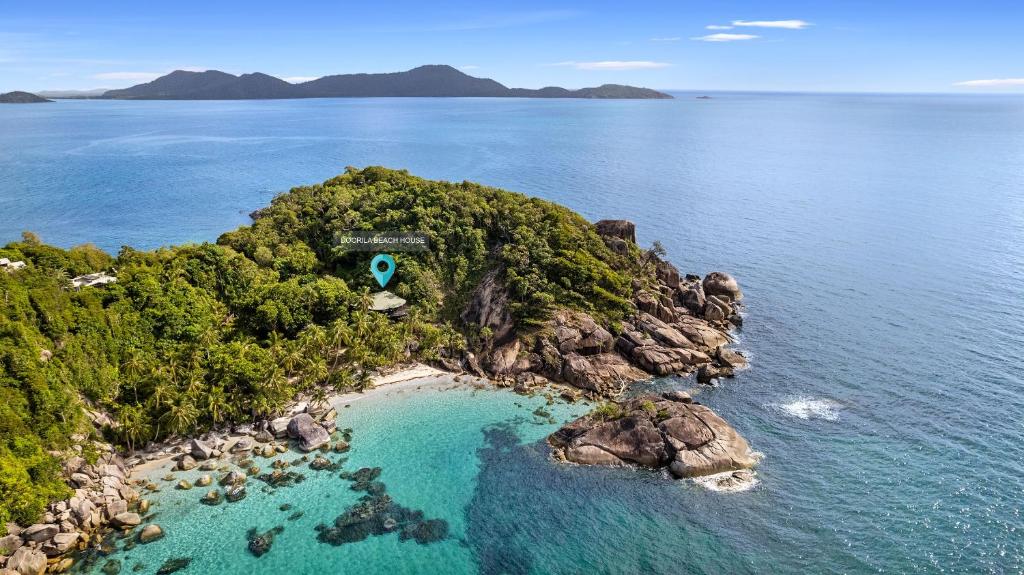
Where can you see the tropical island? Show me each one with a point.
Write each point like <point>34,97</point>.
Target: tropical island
<point>424,81</point>
<point>22,98</point>
<point>210,353</point>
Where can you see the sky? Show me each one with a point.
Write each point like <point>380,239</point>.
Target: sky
<point>784,45</point>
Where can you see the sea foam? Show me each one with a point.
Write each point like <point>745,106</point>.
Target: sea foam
<point>811,408</point>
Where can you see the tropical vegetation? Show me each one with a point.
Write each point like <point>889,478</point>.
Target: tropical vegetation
<point>194,336</point>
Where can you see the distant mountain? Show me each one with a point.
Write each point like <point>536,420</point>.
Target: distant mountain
<point>21,98</point>
<point>72,94</point>
<point>425,81</point>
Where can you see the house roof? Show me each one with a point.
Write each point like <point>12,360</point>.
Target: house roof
<point>386,301</point>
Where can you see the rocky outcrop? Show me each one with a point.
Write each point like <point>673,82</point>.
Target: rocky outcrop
<point>655,432</point>
<point>680,325</point>
<point>619,229</point>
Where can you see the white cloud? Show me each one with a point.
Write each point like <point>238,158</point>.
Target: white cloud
<point>717,27</point>
<point>615,65</point>
<point>134,76</point>
<point>666,39</point>
<point>299,79</point>
<point>787,24</point>
<point>725,37</point>
<point>993,83</point>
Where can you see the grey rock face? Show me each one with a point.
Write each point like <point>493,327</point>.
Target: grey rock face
<point>310,434</point>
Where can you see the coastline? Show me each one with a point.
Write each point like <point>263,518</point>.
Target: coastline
<point>415,374</point>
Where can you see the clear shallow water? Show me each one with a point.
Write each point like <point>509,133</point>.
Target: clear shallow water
<point>879,240</point>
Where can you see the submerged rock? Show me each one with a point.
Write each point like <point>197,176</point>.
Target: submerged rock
<point>235,493</point>
<point>259,543</point>
<point>655,431</point>
<point>377,515</point>
<point>173,565</point>
<point>279,478</point>
<point>211,498</point>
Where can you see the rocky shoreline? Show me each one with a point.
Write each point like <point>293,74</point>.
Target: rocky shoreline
<point>109,501</point>
<point>681,326</point>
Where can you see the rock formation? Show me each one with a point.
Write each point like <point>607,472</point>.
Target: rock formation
<point>655,432</point>
<point>680,325</point>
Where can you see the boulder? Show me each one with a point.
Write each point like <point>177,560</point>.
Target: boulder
<point>27,561</point>
<point>9,544</point>
<point>657,305</point>
<point>502,360</point>
<point>668,274</point>
<point>264,436</point>
<point>126,519</point>
<point>60,544</point>
<point>621,229</point>
<point>702,335</point>
<point>150,533</point>
<point>40,532</point>
<point>308,432</point>
<point>731,358</point>
<point>204,481</point>
<point>242,445</point>
<point>279,427</point>
<point>603,373</point>
<point>200,450</point>
<point>186,463</point>
<point>233,478</point>
<point>693,299</point>
<point>722,284</point>
<point>116,507</point>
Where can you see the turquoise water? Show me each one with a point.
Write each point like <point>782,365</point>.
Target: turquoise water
<point>878,240</point>
<point>428,439</point>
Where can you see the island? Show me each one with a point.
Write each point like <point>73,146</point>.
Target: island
<point>214,353</point>
<point>424,81</point>
<point>21,98</point>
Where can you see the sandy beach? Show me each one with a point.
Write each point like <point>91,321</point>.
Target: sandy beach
<point>411,376</point>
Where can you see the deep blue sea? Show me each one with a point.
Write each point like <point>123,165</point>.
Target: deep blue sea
<point>879,240</point>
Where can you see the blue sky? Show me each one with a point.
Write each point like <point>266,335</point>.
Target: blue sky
<point>821,45</point>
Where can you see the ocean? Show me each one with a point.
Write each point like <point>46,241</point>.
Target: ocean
<point>879,240</point>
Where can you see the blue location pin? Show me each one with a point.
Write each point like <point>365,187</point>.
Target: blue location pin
<point>383,277</point>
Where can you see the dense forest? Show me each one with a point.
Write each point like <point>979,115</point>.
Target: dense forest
<point>195,336</point>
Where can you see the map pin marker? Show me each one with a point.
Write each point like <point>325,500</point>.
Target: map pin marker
<point>383,277</point>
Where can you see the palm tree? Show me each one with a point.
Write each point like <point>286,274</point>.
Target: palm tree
<point>134,427</point>
<point>181,415</point>
<point>293,357</point>
<point>275,341</point>
<point>217,404</point>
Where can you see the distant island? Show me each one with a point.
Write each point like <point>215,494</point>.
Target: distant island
<point>424,81</point>
<point>21,98</point>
